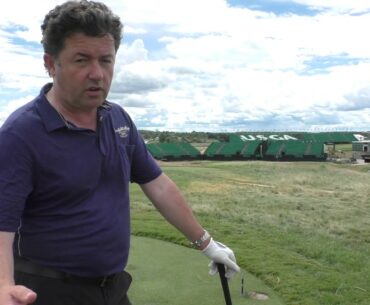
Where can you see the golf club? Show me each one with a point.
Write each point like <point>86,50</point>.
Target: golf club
<point>224,283</point>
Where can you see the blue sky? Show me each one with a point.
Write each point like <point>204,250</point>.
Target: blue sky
<point>216,65</point>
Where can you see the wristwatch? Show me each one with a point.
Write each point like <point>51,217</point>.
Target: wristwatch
<point>202,239</point>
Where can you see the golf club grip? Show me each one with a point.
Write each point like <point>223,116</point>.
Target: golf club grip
<point>224,283</point>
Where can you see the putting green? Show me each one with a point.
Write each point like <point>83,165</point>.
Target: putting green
<point>165,273</point>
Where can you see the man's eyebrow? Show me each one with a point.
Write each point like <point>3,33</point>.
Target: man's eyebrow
<point>82,54</point>
<point>87,55</point>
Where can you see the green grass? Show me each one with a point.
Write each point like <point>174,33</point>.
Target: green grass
<point>165,273</point>
<point>303,228</point>
<point>339,150</point>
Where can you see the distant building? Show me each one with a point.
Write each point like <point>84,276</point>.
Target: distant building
<point>361,150</point>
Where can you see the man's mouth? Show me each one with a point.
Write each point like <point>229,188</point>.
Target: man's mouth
<point>94,89</point>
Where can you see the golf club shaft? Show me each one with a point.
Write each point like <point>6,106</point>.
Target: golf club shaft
<point>224,283</point>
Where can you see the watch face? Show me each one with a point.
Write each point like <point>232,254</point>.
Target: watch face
<point>202,239</point>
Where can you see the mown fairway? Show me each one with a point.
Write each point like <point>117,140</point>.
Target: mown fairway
<point>169,274</point>
<point>301,227</point>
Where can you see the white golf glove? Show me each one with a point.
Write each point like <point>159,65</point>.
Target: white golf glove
<point>219,253</point>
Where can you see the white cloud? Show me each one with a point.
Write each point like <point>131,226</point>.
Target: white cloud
<point>216,66</point>
<point>8,107</point>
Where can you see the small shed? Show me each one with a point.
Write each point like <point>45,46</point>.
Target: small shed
<point>360,150</point>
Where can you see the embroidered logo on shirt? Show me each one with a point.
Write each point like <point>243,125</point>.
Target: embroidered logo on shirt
<point>122,131</point>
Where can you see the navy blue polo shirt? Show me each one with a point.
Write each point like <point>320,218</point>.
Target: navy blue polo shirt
<point>65,190</point>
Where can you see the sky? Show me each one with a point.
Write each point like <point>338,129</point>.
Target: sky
<point>216,65</point>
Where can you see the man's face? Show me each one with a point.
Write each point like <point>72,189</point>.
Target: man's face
<point>83,71</point>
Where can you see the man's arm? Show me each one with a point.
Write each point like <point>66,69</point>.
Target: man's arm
<point>6,258</point>
<point>170,202</point>
<point>10,294</point>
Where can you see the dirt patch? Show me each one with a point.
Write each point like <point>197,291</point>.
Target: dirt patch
<point>256,295</point>
<point>209,188</point>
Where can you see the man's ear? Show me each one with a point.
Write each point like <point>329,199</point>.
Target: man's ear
<point>49,64</point>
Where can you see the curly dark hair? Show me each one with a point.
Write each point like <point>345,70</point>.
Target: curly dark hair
<point>91,18</point>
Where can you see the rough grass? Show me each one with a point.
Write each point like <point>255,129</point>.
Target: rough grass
<point>301,227</point>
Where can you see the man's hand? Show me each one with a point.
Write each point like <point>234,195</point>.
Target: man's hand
<point>16,295</point>
<point>219,253</point>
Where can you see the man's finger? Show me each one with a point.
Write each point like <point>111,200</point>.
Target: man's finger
<point>232,265</point>
<point>23,294</point>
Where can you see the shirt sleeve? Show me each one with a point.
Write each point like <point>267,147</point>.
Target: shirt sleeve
<point>15,180</point>
<point>144,167</point>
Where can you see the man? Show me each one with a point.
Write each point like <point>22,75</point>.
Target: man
<point>66,161</point>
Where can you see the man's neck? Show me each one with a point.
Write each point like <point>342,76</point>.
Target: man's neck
<point>81,119</point>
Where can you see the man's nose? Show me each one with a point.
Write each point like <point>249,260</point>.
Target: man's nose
<point>96,71</point>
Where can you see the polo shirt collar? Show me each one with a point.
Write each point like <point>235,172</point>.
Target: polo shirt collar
<point>49,116</point>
